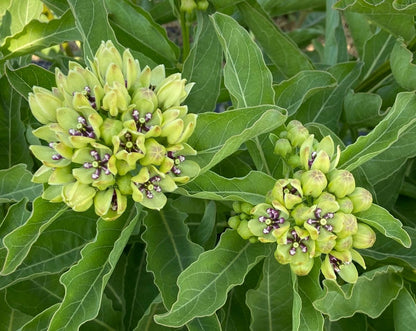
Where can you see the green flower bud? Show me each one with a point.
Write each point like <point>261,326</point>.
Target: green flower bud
<point>282,147</point>
<point>203,5</point>
<point>43,104</point>
<point>145,100</point>
<point>294,124</point>
<point>131,69</point>
<point>155,153</point>
<point>345,205</point>
<point>78,196</point>
<point>321,161</point>
<point>343,244</point>
<point>171,91</point>
<point>341,183</point>
<point>61,176</point>
<point>327,203</point>
<point>110,204</point>
<point>234,222</point>
<point>116,99</point>
<point>53,193</point>
<point>188,6</point>
<point>301,264</point>
<point>42,174</point>
<point>106,55</point>
<point>294,161</point>
<point>244,231</point>
<point>348,272</point>
<point>288,192</point>
<point>361,199</point>
<point>313,183</point>
<point>246,208</point>
<point>349,224</point>
<point>365,237</point>
<point>237,207</point>
<point>297,136</point>
<point>327,145</point>
<point>301,213</point>
<point>109,129</point>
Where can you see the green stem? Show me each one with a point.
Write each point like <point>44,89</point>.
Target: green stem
<point>185,36</point>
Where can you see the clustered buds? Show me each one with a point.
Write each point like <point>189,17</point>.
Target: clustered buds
<point>312,214</point>
<point>189,6</point>
<point>112,131</point>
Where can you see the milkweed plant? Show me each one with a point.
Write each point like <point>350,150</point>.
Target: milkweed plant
<point>207,165</point>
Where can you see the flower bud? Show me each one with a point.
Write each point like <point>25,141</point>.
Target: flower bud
<point>348,272</point>
<point>297,135</point>
<point>301,264</point>
<point>155,153</point>
<point>327,145</point>
<point>234,222</point>
<point>106,55</point>
<point>110,204</point>
<point>145,100</point>
<point>341,183</point>
<point>361,199</point>
<point>244,231</point>
<point>131,69</point>
<point>43,104</point>
<point>188,6</point>
<point>246,207</point>
<point>345,205</point>
<point>109,129</point>
<point>293,124</point>
<point>294,161</point>
<point>365,237</point>
<point>301,213</point>
<point>349,224</point>
<point>282,147</point>
<point>171,93</point>
<point>343,244</point>
<point>237,206</point>
<point>203,4</point>
<point>78,196</point>
<point>321,162</point>
<point>313,183</point>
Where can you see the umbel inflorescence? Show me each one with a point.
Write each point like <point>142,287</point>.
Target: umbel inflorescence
<point>112,131</point>
<point>310,214</point>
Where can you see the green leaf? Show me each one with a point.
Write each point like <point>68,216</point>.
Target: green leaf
<point>251,188</point>
<point>57,6</point>
<point>127,19</point>
<point>280,7</point>
<point>13,145</point>
<point>360,30</point>
<point>208,323</point>
<point>246,76</point>
<point>38,35</point>
<point>271,303</point>
<point>41,321</point>
<point>371,294</point>
<point>281,50</point>
<point>404,308</point>
<point>355,115</point>
<point>218,135</point>
<point>398,21</point>
<point>383,221</point>
<point>50,253</point>
<point>404,71</point>
<point>207,225</point>
<point>84,282</point>
<point>15,184</point>
<point>305,290</point>
<point>390,252</point>
<point>24,78</point>
<point>147,322</point>
<point>91,20</point>
<point>19,242</point>
<point>18,14</point>
<point>292,93</point>
<point>169,250</point>
<point>204,67</point>
<point>212,276</point>
<point>10,318</point>
<point>138,290</point>
<point>398,120</point>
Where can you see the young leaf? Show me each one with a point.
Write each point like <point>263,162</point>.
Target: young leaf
<point>218,135</point>
<point>371,294</point>
<point>281,50</point>
<point>204,67</point>
<point>305,290</point>
<point>169,250</point>
<point>38,35</point>
<point>251,188</point>
<point>50,253</point>
<point>271,303</point>
<point>383,221</point>
<point>212,276</point>
<point>24,78</point>
<point>19,242</point>
<point>246,76</point>
<point>399,119</point>
<point>84,282</point>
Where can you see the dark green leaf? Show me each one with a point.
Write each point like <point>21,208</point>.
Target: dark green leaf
<point>404,308</point>
<point>10,319</point>
<point>41,321</point>
<point>404,71</point>
<point>107,318</point>
<point>280,7</point>
<point>205,229</point>
<point>355,115</point>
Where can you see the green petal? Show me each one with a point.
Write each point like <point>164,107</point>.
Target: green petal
<point>45,154</point>
<point>157,202</point>
<point>83,175</point>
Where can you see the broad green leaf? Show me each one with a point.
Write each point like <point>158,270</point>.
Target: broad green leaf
<point>84,282</point>
<point>15,184</point>
<point>107,318</point>
<point>91,20</point>
<point>13,145</point>
<point>127,19</point>
<point>218,135</point>
<point>236,165</point>
<point>147,322</point>
<point>399,119</point>
<point>41,321</point>
<point>404,71</point>
<point>404,308</point>
<point>204,67</point>
<point>271,303</point>
<point>19,242</point>
<point>359,28</point>
<point>57,6</point>
<point>18,14</point>
<point>383,13</point>
<point>281,50</point>
<point>335,50</point>
<point>35,295</point>
<point>115,285</point>
<point>212,276</point>
<point>357,115</point>
<point>139,290</point>
<point>38,35</point>
<point>371,294</point>
<point>24,78</point>
<point>51,252</point>
<point>251,188</point>
<point>326,106</point>
<point>205,229</point>
<point>358,322</point>
<point>169,250</point>
<point>10,318</point>
<point>305,290</point>
<point>383,221</point>
<point>246,76</point>
<point>280,7</point>
<point>208,323</point>
<point>291,93</point>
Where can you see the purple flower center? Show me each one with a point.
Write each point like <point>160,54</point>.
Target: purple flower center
<point>336,263</point>
<point>177,161</point>
<point>141,122</point>
<point>90,97</point>
<point>321,221</point>
<point>296,242</point>
<point>273,220</point>
<point>100,164</point>
<point>82,129</point>
<point>313,157</point>
<point>151,185</point>
<point>129,145</point>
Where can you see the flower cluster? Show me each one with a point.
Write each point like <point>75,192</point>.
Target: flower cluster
<point>312,213</point>
<point>112,131</point>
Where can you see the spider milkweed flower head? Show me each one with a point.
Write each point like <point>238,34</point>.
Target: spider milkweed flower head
<point>113,130</point>
<point>312,213</point>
